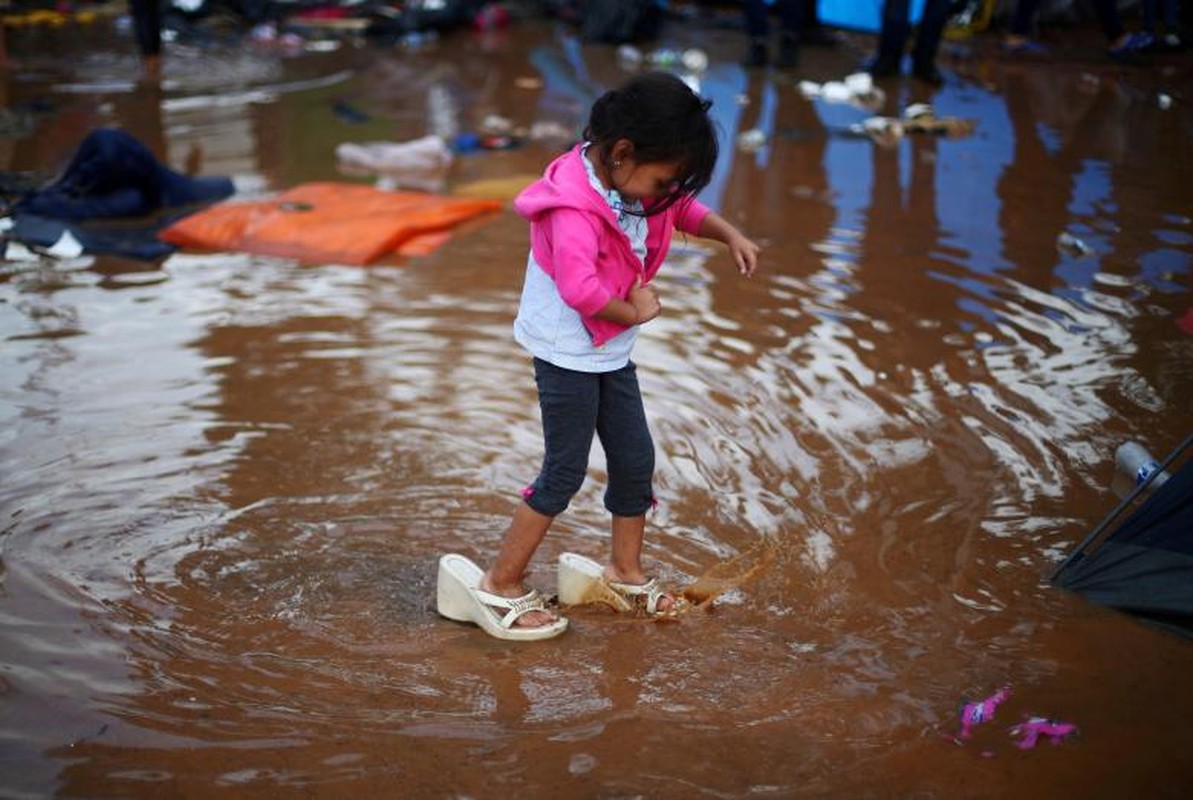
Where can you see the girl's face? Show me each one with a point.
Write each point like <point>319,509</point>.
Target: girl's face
<point>638,181</point>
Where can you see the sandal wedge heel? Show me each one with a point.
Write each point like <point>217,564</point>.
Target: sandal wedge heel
<point>581,581</point>
<point>458,596</point>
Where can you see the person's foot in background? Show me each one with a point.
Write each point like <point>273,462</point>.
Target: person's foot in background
<point>928,73</point>
<point>880,67</point>
<point>788,52</point>
<point>755,54</point>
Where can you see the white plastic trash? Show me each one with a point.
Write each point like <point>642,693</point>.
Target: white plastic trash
<point>629,56</point>
<point>416,164</point>
<point>694,60</point>
<point>809,88</point>
<point>836,92</point>
<point>67,246</point>
<point>859,82</point>
<point>1134,461</point>
<point>427,153</point>
<point>1069,243</point>
<point>751,140</point>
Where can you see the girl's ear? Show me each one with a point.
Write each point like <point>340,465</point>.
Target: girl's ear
<point>623,149</point>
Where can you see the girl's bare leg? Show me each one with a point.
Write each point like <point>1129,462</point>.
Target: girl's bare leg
<point>522,538</point>
<point>625,565</point>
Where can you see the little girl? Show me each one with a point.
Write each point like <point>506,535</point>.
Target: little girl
<point>601,220</point>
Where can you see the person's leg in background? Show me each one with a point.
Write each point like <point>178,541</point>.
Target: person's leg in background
<point>791,16</point>
<point>757,30</point>
<point>147,26</point>
<point>892,38</point>
<point>927,40</point>
<point>1122,44</point>
<point>757,22</point>
<point>812,33</point>
<point>1019,38</point>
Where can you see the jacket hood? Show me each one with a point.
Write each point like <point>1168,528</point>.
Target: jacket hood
<point>564,184</point>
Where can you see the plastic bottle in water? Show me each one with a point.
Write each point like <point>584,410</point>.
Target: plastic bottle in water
<point>1137,463</point>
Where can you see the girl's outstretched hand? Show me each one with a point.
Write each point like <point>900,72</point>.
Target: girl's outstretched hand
<point>744,252</point>
<point>645,301</point>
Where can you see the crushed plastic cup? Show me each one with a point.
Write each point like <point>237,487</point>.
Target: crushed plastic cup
<point>548,129</point>
<point>664,57</point>
<point>751,140</point>
<point>1135,462</point>
<point>443,112</point>
<point>694,60</point>
<point>629,57</point>
<point>67,246</point>
<point>859,82</point>
<point>419,163</point>
<point>496,124</point>
<point>917,110</point>
<point>836,92</point>
<point>1068,243</point>
<point>886,131</point>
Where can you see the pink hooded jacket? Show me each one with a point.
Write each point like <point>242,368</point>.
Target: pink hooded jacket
<point>575,239</point>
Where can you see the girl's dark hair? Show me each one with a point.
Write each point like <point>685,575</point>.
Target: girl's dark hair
<point>665,121</point>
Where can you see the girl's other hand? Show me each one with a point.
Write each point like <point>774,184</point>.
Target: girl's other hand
<point>745,254</point>
<point>645,301</point>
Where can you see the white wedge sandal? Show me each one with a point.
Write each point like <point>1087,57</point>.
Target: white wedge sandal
<point>459,597</point>
<point>582,580</point>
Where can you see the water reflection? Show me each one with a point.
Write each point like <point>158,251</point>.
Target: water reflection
<point>226,480</point>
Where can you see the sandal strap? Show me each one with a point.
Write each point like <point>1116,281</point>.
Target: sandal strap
<point>517,606</point>
<point>650,590</point>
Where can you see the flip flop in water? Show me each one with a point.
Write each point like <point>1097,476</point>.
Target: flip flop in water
<point>459,597</point>
<point>582,580</point>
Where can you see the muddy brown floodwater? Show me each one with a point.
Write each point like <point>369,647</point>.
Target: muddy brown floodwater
<point>225,479</point>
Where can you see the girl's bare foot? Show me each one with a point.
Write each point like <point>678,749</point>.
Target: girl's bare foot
<point>666,602</point>
<point>531,619</point>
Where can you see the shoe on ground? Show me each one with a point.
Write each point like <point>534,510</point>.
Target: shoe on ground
<point>788,53</point>
<point>881,67</point>
<point>755,55</point>
<point>1130,45</point>
<point>1169,42</point>
<point>819,36</point>
<point>928,73</point>
<point>1022,46</point>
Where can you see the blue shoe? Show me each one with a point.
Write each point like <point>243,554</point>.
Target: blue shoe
<point>1023,47</point>
<point>1132,44</point>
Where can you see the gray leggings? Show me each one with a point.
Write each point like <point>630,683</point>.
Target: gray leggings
<point>574,406</point>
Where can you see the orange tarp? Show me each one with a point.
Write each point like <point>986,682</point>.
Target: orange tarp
<point>338,223</point>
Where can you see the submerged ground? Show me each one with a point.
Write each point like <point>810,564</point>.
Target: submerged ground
<point>225,479</point>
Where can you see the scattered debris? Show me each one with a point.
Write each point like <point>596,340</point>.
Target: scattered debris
<point>980,711</point>
<point>751,141</point>
<point>1028,732</point>
<point>1071,245</point>
<point>693,59</point>
<point>1035,727</point>
<point>416,164</point>
<point>496,125</point>
<point>857,89</point>
<point>917,118</point>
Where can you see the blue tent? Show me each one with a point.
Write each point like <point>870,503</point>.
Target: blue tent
<point>1145,565</point>
<point>862,15</point>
